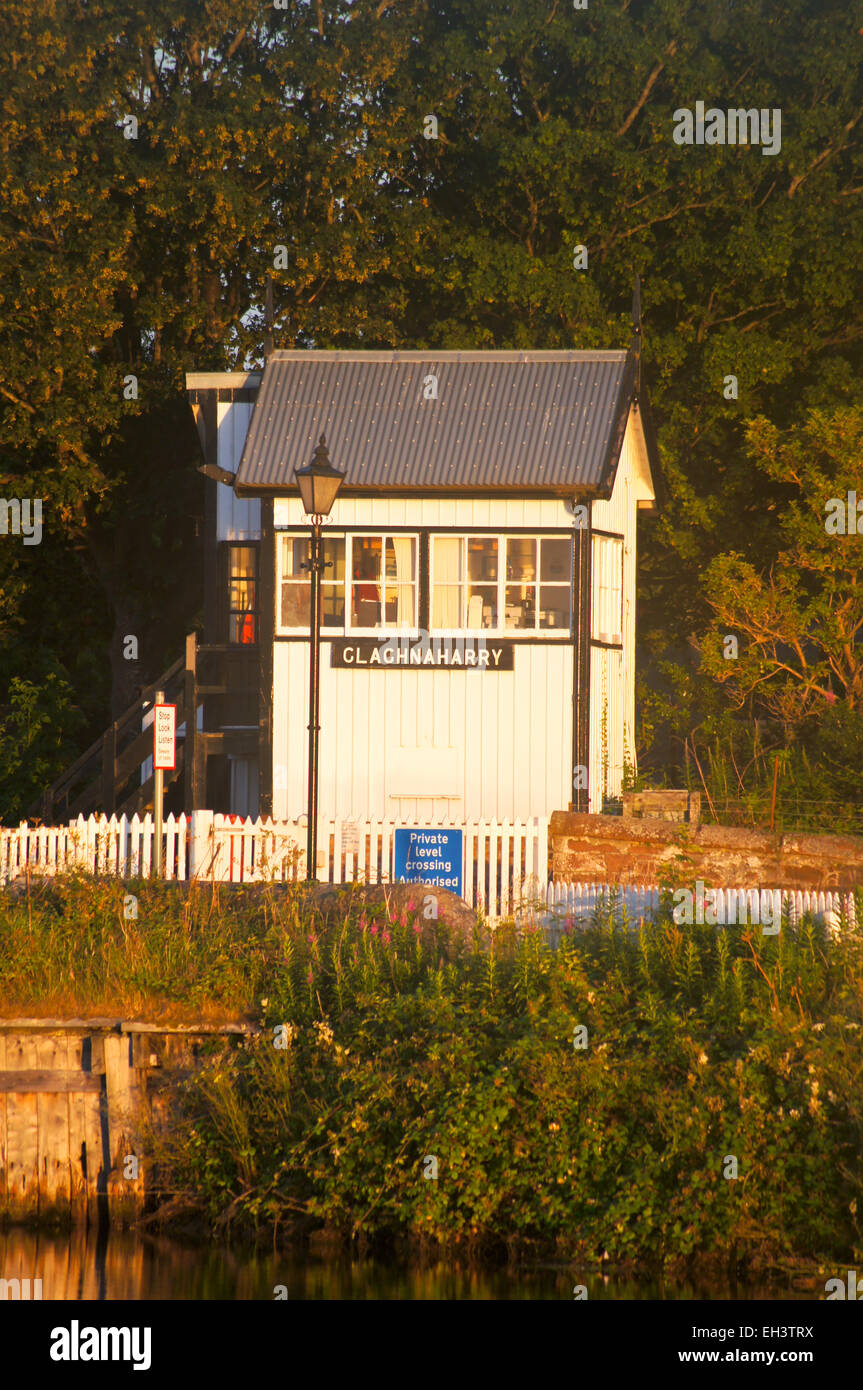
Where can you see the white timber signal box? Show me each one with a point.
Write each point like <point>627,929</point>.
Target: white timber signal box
<point>478,617</point>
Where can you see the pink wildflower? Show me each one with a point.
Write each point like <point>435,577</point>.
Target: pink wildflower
<point>385,937</point>
<point>417,927</point>
<point>404,917</point>
<point>374,930</point>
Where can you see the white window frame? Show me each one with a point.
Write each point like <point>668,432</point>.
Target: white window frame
<point>606,584</point>
<point>546,634</point>
<point>348,629</point>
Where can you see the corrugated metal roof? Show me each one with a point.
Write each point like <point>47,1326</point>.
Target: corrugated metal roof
<point>515,420</point>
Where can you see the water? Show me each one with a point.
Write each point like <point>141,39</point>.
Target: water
<point>127,1265</point>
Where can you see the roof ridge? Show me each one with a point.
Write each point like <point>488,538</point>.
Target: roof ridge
<point>448,354</point>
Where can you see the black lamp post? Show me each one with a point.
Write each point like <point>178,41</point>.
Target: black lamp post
<point>319,483</point>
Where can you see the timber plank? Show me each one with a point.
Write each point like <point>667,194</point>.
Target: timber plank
<point>22,1130</point>
<point>78,1183</point>
<point>52,1112</point>
<point>33,1081</point>
<point>2,1128</point>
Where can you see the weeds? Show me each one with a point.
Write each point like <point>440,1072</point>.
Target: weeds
<point>409,1040</point>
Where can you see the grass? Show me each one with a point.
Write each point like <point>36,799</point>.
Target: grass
<point>584,1101</point>
<point>74,945</point>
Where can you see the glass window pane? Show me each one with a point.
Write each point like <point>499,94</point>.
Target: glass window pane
<point>243,628</point>
<point>554,605</point>
<point>295,552</point>
<point>481,606</point>
<point>295,605</point>
<point>447,552</point>
<point>294,610</point>
<point>555,559</point>
<point>242,594</point>
<point>399,606</point>
<point>401,559</point>
<point>332,605</point>
<point>482,558</point>
<point>366,557</point>
<point>365,605</point>
<point>607,584</point>
<point>521,558</point>
<point>366,552</point>
<point>520,605</point>
<point>334,554</point>
<point>447,594</point>
<point>446,606</point>
<point>242,561</point>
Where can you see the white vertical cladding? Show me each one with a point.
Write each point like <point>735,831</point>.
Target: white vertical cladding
<point>469,513</point>
<point>485,745</point>
<point>506,736</point>
<point>611,671</point>
<point>607,694</point>
<point>237,518</point>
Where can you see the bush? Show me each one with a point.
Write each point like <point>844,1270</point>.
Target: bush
<point>704,1044</point>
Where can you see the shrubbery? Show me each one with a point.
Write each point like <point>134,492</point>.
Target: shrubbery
<point>405,1040</point>
<point>703,1044</point>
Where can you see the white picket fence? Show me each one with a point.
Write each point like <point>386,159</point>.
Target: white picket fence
<point>504,871</point>
<point>503,866</point>
<point>571,904</point>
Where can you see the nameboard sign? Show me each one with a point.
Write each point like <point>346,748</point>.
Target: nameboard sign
<point>436,653</point>
<point>429,855</point>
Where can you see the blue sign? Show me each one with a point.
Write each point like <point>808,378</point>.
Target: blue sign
<point>429,856</point>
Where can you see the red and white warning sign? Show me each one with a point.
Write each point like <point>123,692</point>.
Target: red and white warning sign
<point>165,737</point>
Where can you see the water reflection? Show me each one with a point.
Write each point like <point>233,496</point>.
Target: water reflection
<point>124,1265</point>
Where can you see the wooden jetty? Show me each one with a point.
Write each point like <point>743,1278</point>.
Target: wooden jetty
<point>76,1096</point>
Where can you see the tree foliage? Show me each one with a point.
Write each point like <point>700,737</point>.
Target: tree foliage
<point>303,127</point>
<point>800,624</point>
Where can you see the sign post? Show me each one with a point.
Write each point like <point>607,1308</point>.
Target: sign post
<point>164,759</point>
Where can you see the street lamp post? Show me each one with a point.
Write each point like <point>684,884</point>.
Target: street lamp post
<point>319,483</point>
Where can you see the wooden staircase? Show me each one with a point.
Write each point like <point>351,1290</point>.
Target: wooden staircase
<point>107,777</point>
<point>217,682</point>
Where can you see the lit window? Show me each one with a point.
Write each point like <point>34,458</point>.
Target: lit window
<point>296,588</point>
<point>607,585</point>
<point>242,593</point>
<point>465,582</point>
<point>383,581</point>
<point>371,582</point>
<point>528,592</point>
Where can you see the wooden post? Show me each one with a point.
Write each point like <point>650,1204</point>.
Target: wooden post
<point>190,701</point>
<point>158,795</point>
<point>109,770</point>
<point>201,844</point>
<point>125,1185</point>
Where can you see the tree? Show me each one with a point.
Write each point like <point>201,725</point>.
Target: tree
<point>799,622</point>
<point>252,128</point>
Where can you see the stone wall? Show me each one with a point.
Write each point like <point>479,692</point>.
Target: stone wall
<point>621,849</point>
